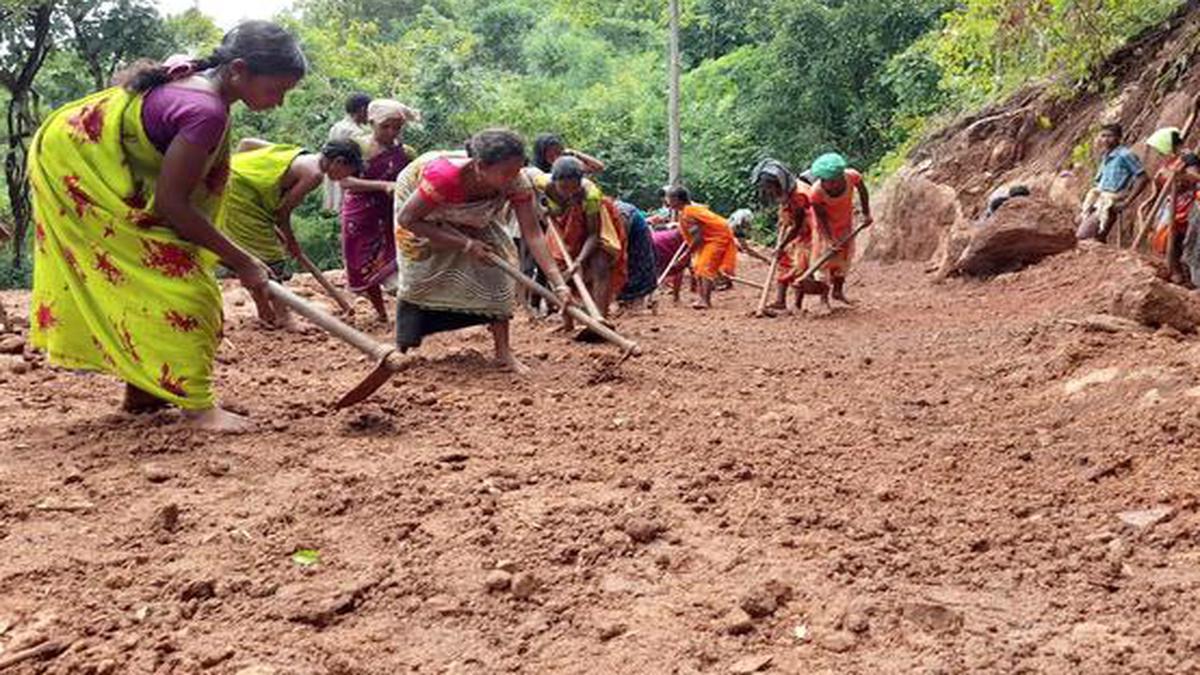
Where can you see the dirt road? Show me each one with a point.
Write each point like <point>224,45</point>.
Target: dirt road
<point>939,480</point>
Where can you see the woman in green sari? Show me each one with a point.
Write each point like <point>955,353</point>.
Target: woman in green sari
<point>267,181</point>
<point>125,186</point>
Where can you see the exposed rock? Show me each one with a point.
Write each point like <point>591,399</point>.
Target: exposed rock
<point>1021,233</point>
<point>1107,323</point>
<point>738,622</point>
<point>762,601</point>
<point>912,217</point>
<point>322,606</point>
<point>751,664</point>
<point>1145,518</point>
<point>524,585</point>
<point>933,617</point>
<point>642,530</point>
<point>498,580</point>
<point>1155,303</point>
<point>156,473</point>
<point>1095,377</point>
<point>198,590</point>
<point>12,344</point>
<point>837,641</point>
<point>612,631</point>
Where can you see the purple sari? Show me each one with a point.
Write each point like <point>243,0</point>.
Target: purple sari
<point>368,240</point>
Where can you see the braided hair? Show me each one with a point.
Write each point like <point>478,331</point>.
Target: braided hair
<point>265,47</point>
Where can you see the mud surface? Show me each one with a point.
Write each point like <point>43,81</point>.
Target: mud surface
<point>967,477</point>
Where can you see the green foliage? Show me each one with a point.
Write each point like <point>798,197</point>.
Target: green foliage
<point>319,235</point>
<point>192,32</point>
<point>783,78</point>
<point>13,277</point>
<point>989,47</point>
<point>107,34</point>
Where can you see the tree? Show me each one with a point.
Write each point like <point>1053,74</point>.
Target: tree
<point>193,32</point>
<point>25,40</point>
<point>106,34</point>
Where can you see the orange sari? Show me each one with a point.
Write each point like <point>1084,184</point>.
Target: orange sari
<point>797,255</point>
<point>839,214</point>
<point>716,252</point>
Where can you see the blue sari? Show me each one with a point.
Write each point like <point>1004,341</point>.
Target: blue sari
<point>641,268</point>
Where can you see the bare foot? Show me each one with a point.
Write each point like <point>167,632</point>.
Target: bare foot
<point>841,297</point>
<point>700,305</point>
<point>218,420</point>
<point>511,364</point>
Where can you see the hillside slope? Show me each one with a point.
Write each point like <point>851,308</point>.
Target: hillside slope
<point>1038,137</point>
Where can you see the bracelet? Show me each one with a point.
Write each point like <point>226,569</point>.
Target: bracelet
<point>468,243</point>
<point>562,286</point>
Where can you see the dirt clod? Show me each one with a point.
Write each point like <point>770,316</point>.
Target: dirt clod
<point>157,473</point>
<point>201,589</point>
<point>524,585</point>
<point>738,622</point>
<point>498,580</point>
<point>166,518</point>
<point>612,631</point>
<point>836,641</point>
<point>751,664</point>
<point>12,344</point>
<point>644,530</point>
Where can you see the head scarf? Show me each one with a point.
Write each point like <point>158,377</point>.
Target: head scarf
<point>830,166</point>
<point>772,169</point>
<point>383,109</point>
<point>1164,140</point>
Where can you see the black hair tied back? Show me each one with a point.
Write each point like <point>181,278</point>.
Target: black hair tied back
<point>265,47</point>
<point>346,151</point>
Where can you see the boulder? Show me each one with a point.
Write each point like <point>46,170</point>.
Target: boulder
<point>1021,233</point>
<point>912,216</point>
<point>1154,302</point>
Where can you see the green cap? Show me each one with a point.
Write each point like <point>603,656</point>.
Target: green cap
<point>830,166</point>
<point>1163,140</point>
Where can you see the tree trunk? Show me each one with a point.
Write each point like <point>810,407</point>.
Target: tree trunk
<point>19,127</point>
<point>674,144</point>
<point>22,123</point>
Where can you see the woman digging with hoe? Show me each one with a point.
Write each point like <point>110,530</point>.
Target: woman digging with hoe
<point>125,185</point>
<point>450,217</point>
<point>832,200</point>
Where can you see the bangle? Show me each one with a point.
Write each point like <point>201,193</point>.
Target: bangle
<point>467,244</point>
<point>561,286</point>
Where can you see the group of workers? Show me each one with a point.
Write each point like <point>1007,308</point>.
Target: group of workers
<point>138,200</point>
<point>1167,221</point>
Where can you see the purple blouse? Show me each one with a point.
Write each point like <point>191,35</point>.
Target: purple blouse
<point>200,117</point>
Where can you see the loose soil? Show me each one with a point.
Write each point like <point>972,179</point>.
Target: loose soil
<point>930,482</point>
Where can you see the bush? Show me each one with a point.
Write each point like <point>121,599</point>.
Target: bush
<point>10,276</point>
